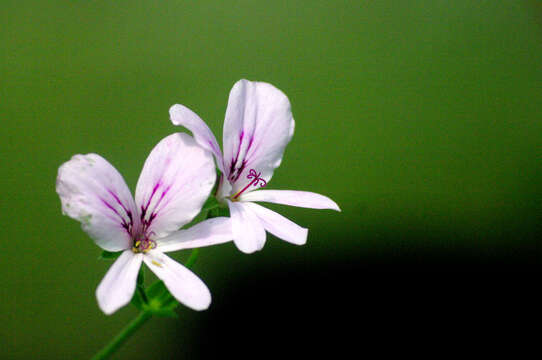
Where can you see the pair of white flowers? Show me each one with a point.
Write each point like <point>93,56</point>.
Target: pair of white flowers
<point>176,180</point>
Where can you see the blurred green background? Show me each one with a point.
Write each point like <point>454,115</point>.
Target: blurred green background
<point>421,119</point>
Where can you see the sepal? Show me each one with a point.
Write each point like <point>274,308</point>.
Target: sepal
<point>210,203</point>
<point>138,301</point>
<point>161,303</point>
<point>219,211</point>
<point>109,255</point>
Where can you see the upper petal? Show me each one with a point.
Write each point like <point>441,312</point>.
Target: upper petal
<point>304,199</point>
<point>118,285</point>
<point>175,181</point>
<point>181,115</point>
<point>258,126</point>
<point>93,192</point>
<point>278,225</point>
<point>183,284</point>
<point>209,232</point>
<point>248,232</point>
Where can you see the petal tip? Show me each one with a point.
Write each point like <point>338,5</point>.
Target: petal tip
<point>305,237</point>
<point>106,308</point>
<point>175,113</point>
<point>331,205</point>
<point>203,306</point>
<point>247,248</point>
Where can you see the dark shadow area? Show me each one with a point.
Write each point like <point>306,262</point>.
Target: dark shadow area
<point>370,304</point>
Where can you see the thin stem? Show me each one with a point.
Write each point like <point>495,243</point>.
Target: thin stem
<point>136,323</point>
<point>122,336</point>
<point>192,258</point>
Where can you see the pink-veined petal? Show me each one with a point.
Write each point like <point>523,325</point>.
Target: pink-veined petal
<point>175,181</point>
<point>118,285</point>
<point>93,192</point>
<point>183,284</point>
<point>258,126</point>
<point>181,115</point>
<point>248,231</point>
<point>209,232</point>
<point>278,225</point>
<point>304,199</point>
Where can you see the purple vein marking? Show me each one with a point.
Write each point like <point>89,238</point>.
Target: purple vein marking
<point>147,222</point>
<point>214,147</point>
<point>236,173</point>
<point>164,193</point>
<point>127,226</point>
<point>153,192</point>
<point>128,212</point>
<point>234,161</point>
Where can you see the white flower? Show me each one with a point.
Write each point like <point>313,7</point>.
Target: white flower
<point>175,181</point>
<point>257,128</point>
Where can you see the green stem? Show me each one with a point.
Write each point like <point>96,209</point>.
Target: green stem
<point>192,258</point>
<point>136,323</point>
<point>123,336</point>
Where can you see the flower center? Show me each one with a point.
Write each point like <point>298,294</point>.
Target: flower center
<point>143,244</point>
<point>256,179</point>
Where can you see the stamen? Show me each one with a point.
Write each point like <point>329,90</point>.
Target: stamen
<point>143,245</point>
<point>156,263</point>
<point>256,179</point>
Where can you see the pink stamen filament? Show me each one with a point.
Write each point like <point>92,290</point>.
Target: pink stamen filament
<point>257,178</point>
<point>246,187</point>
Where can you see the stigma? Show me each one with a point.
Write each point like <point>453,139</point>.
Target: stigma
<point>256,180</point>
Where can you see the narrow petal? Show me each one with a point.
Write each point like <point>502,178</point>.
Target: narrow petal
<point>181,115</point>
<point>258,126</point>
<point>278,225</point>
<point>118,285</point>
<point>183,284</point>
<point>304,199</point>
<point>248,232</point>
<point>175,181</point>
<point>209,232</point>
<point>93,192</point>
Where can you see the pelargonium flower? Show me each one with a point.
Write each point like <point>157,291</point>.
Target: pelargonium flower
<point>175,181</point>
<point>257,128</point>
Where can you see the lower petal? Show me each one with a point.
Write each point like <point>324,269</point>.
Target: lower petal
<point>279,226</point>
<point>248,232</point>
<point>209,232</point>
<point>183,284</point>
<point>118,285</point>
<point>304,199</point>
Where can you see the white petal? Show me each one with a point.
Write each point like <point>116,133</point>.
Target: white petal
<point>248,231</point>
<point>183,284</point>
<point>209,232</point>
<point>258,126</point>
<point>175,181</point>
<point>278,225</point>
<point>118,285</point>
<point>93,192</point>
<point>181,115</point>
<point>304,199</point>
<point>224,188</point>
